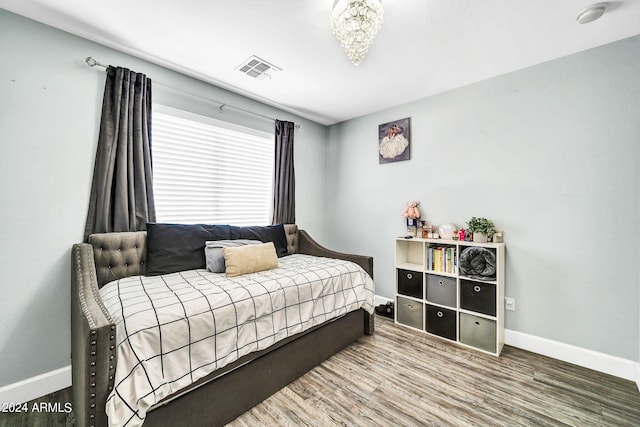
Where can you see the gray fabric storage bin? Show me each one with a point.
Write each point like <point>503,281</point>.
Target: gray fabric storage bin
<point>441,290</point>
<point>409,312</point>
<point>478,332</point>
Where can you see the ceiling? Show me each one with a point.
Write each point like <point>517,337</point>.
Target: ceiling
<point>424,47</point>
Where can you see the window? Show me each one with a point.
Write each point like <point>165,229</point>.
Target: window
<point>207,171</point>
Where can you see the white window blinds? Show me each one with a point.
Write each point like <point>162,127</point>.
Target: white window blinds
<point>210,172</point>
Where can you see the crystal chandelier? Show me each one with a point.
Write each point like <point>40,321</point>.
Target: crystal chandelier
<point>355,23</point>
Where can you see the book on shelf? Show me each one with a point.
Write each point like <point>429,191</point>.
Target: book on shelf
<point>442,259</point>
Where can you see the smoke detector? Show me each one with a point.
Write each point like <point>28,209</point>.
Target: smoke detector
<point>258,68</point>
<point>591,13</point>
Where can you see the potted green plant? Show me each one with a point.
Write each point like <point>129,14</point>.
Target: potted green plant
<point>481,229</point>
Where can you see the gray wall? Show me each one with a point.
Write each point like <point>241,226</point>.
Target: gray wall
<point>551,154</point>
<point>50,103</point>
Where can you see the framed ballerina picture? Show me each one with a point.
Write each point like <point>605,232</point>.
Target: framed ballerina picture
<point>394,144</point>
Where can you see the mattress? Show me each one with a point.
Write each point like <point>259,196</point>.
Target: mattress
<point>177,328</point>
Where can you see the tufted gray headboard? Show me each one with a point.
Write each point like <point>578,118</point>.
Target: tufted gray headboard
<point>124,254</point>
<point>293,239</point>
<point>119,255</point>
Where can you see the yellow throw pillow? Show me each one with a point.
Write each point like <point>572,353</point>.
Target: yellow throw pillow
<point>250,259</point>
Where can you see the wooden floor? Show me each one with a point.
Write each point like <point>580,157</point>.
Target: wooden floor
<point>399,377</point>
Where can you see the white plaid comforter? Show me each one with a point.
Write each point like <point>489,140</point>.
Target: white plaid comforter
<point>177,328</point>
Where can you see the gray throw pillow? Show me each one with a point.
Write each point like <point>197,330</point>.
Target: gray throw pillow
<point>213,252</point>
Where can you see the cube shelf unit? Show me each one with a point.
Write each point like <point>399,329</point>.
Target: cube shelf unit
<point>433,296</point>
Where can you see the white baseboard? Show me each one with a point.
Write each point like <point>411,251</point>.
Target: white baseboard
<point>377,300</point>
<point>617,366</point>
<point>35,387</point>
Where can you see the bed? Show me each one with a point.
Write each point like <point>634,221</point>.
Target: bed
<point>168,381</point>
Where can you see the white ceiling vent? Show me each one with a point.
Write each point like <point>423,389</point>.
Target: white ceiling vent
<point>258,68</point>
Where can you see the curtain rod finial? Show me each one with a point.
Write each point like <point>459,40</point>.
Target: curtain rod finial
<point>91,61</point>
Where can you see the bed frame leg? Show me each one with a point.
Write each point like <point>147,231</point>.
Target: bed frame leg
<point>368,323</point>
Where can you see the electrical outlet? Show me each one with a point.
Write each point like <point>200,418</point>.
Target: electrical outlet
<point>510,303</point>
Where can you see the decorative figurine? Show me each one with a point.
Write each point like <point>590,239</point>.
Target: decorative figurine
<point>412,213</point>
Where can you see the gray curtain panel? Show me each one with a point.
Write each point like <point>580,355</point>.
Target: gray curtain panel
<point>122,190</point>
<point>284,194</point>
